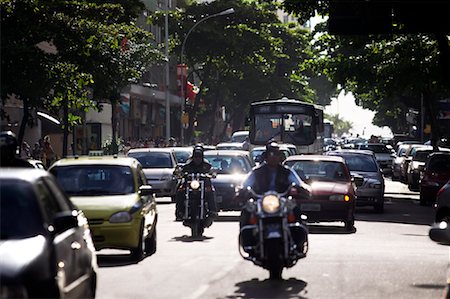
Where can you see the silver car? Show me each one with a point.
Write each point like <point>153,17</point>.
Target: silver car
<point>231,168</point>
<point>383,155</point>
<point>160,168</point>
<point>363,163</point>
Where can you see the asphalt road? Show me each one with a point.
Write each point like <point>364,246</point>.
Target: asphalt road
<point>388,255</point>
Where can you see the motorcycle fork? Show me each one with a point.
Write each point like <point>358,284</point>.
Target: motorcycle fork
<point>285,235</point>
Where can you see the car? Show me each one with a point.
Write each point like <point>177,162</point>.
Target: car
<point>239,136</point>
<point>408,158</point>
<point>398,160</point>
<point>114,195</point>
<point>443,204</point>
<point>37,164</point>
<point>363,163</point>
<point>440,233</point>
<point>231,168</point>
<point>231,146</point>
<point>161,169</point>
<point>436,173</point>
<point>182,153</point>
<point>46,248</point>
<point>417,164</point>
<point>256,152</point>
<point>383,155</point>
<point>333,193</point>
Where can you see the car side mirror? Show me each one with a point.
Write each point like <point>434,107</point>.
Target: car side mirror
<point>64,221</point>
<point>440,233</point>
<point>146,190</point>
<point>358,180</point>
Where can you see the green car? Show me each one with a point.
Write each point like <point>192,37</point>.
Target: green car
<point>113,194</point>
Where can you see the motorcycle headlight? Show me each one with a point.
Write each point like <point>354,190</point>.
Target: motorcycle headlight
<point>120,217</point>
<point>195,185</point>
<point>270,204</point>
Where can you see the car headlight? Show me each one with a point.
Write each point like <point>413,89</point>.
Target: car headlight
<point>270,203</point>
<point>120,217</point>
<point>13,291</point>
<point>195,185</point>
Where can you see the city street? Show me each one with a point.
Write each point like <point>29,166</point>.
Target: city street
<point>388,256</point>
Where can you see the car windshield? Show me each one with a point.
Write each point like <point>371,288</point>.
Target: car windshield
<point>228,164</point>
<point>95,180</point>
<point>376,148</point>
<point>439,163</point>
<point>239,138</point>
<point>20,215</point>
<point>182,156</point>
<point>421,156</point>
<point>363,163</point>
<point>320,170</point>
<point>153,159</point>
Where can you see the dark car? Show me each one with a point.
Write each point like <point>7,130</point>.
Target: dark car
<point>435,175</point>
<point>443,204</point>
<point>231,168</point>
<point>363,163</point>
<point>332,190</point>
<point>46,249</point>
<point>440,233</point>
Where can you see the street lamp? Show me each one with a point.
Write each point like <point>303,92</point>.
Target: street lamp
<point>222,13</point>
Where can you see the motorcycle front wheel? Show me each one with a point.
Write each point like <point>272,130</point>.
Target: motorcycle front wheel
<point>274,255</point>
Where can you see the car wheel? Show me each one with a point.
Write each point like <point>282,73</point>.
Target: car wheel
<point>349,225</point>
<point>150,243</point>
<point>137,253</point>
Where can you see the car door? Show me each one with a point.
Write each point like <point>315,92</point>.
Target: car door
<point>149,202</point>
<point>72,262</point>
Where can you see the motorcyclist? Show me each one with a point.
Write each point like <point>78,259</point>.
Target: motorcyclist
<point>272,175</point>
<point>197,164</point>
<point>8,148</point>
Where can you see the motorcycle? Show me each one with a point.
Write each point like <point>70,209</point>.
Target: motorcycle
<point>272,237</point>
<point>195,214</point>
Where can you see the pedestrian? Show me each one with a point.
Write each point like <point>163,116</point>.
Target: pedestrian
<point>49,153</point>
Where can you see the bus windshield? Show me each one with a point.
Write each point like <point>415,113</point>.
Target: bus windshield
<point>285,120</point>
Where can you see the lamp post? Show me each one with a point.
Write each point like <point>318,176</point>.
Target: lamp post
<point>167,95</point>
<point>183,86</point>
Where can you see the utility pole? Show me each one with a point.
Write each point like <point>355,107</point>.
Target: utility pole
<point>166,39</point>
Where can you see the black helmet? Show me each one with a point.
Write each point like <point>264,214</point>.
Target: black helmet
<point>272,147</point>
<point>198,151</point>
<point>8,140</point>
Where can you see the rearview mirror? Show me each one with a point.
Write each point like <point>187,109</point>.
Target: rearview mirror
<point>358,180</point>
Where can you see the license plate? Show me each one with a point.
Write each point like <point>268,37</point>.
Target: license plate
<point>272,231</point>
<point>310,207</point>
<point>218,198</point>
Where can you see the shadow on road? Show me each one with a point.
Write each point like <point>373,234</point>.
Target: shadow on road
<point>116,260</point>
<point>189,239</point>
<point>289,288</point>
<point>325,228</point>
<point>398,210</point>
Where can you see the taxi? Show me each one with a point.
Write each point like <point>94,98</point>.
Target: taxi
<point>114,195</point>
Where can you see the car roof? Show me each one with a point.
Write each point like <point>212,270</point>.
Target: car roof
<point>23,174</point>
<point>315,158</point>
<point>240,133</point>
<point>226,153</point>
<point>151,150</point>
<point>96,160</point>
<point>182,148</point>
<point>229,144</point>
<point>351,152</point>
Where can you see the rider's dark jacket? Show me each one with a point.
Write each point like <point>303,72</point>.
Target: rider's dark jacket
<point>262,179</point>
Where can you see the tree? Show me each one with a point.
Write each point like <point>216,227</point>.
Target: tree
<point>93,38</point>
<point>341,126</point>
<point>243,57</point>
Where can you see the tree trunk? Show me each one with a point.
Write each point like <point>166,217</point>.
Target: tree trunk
<point>432,114</point>
<point>444,58</point>
<point>114,146</point>
<point>66,125</point>
<point>212,118</point>
<point>192,117</point>
<point>26,115</point>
